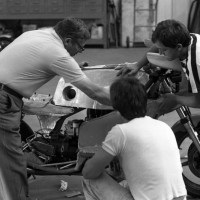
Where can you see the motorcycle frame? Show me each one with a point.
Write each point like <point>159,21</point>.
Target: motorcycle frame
<point>185,119</point>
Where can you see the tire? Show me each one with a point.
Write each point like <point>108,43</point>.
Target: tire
<point>190,159</point>
<point>25,131</point>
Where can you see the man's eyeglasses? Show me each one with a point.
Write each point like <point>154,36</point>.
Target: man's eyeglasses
<point>81,48</point>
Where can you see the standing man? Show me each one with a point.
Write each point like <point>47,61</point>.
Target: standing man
<point>146,148</point>
<point>172,39</point>
<point>29,62</point>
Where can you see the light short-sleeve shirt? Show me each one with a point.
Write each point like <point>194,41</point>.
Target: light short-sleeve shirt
<point>149,157</point>
<point>33,59</point>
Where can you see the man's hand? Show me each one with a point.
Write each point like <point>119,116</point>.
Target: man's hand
<point>81,160</point>
<point>83,64</point>
<point>127,69</point>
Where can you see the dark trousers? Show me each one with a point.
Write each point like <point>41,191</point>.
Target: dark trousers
<point>13,176</point>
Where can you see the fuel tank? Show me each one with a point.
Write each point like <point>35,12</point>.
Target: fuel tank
<point>68,95</point>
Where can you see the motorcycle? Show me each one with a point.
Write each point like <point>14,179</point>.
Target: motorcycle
<point>52,150</point>
<point>60,148</point>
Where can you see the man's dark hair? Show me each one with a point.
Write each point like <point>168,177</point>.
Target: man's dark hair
<point>129,97</point>
<point>72,28</point>
<point>170,33</point>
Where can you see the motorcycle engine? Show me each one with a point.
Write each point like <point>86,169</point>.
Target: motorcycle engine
<point>57,147</point>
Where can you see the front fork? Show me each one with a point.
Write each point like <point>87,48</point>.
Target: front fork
<point>184,114</point>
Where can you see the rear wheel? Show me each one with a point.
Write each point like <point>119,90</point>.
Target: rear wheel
<point>190,159</point>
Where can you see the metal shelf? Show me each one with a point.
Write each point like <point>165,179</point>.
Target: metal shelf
<point>57,9</point>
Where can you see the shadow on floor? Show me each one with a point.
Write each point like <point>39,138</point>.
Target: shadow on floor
<point>48,187</point>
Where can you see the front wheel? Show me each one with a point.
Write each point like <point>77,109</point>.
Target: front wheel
<point>190,159</point>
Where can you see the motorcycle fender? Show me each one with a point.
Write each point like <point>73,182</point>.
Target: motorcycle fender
<point>93,132</point>
<point>178,126</point>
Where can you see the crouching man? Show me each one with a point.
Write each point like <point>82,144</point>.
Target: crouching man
<point>146,148</point>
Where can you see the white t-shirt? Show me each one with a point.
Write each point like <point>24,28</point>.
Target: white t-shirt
<point>33,59</point>
<point>149,157</point>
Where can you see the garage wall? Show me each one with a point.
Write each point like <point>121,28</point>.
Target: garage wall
<point>174,9</point>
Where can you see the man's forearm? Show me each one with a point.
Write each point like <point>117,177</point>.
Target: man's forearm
<point>91,172</point>
<point>94,91</point>
<point>102,95</point>
<point>105,97</point>
<point>190,100</point>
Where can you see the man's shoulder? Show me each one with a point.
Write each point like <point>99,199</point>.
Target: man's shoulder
<point>195,37</point>
<point>143,123</point>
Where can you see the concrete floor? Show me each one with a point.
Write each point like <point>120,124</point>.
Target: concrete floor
<point>47,187</point>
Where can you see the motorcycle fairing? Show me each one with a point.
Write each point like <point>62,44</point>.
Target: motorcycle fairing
<point>102,77</point>
<point>94,131</point>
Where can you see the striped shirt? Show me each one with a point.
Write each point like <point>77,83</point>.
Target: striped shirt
<point>193,64</point>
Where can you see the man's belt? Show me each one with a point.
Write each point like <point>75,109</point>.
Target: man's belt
<point>10,91</point>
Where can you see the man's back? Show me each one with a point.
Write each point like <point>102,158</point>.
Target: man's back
<point>33,59</point>
<point>150,159</point>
